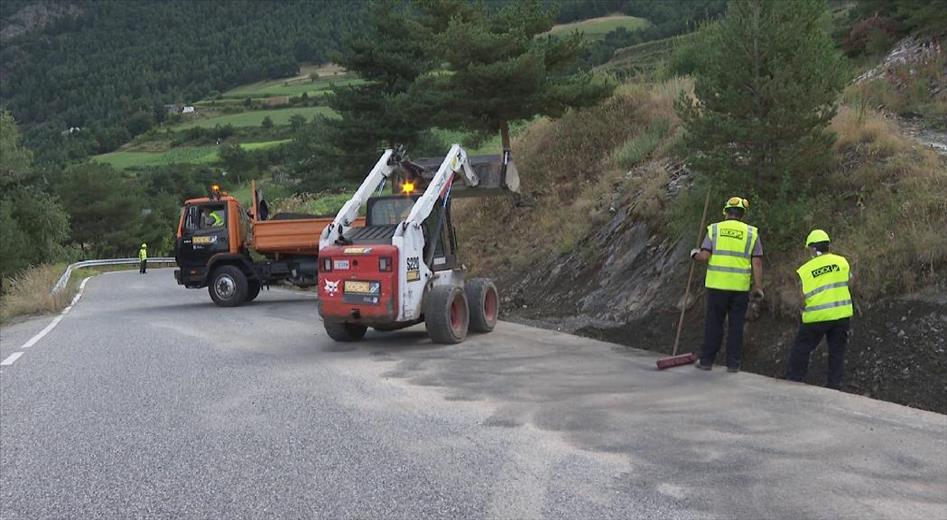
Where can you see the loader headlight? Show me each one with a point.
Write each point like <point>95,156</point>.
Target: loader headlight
<point>326,264</point>
<point>407,188</point>
<point>384,263</point>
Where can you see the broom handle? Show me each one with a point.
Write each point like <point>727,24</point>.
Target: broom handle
<point>690,276</point>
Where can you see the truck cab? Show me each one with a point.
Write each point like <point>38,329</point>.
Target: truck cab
<point>234,251</point>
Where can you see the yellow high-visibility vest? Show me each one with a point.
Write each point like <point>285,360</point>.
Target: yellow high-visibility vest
<point>825,286</point>
<point>218,220</point>
<point>143,254</point>
<point>729,267</point>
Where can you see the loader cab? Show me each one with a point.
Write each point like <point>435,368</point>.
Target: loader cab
<point>384,214</point>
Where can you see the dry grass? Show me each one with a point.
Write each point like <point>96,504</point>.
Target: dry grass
<point>867,133</point>
<point>885,207</point>
<point>885,203</point>
<point>27,293</point>
<point>572,178</point>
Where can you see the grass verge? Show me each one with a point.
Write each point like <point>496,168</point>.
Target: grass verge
<point>27,293</point>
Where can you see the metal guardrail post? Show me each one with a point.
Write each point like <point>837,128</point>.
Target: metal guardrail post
<point>64,279</point>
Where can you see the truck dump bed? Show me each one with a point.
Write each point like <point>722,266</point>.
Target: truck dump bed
<point>298,236</point>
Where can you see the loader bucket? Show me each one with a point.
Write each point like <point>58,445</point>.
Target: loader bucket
<point>495,177</point>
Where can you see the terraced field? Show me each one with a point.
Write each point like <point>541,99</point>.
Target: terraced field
<point>289,87</point>
<point>180,155</point>
<point>597,28</point>
<point>280,116</point>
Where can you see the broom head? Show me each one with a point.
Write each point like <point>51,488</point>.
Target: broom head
<point>676,361</point>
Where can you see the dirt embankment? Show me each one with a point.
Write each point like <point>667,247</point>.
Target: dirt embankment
<point>623,284</point>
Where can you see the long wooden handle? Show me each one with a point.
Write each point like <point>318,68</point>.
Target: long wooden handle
<point>690,276</point>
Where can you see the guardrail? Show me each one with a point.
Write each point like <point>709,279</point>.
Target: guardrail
<point>64,279</point>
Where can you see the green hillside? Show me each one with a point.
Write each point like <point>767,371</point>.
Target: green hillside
<point>110,68</point>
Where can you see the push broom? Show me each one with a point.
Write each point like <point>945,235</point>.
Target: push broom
<point>685,359</point>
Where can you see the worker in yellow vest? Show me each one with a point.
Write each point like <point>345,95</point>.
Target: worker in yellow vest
<point>734,255</point>
<point>143,258</point>
<point>828,306</point>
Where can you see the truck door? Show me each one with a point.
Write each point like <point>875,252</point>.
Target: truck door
<point>204,234</point>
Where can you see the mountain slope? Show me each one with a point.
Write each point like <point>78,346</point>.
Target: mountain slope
<point>109,67</point>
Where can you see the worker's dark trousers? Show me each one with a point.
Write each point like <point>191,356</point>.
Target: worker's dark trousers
<point>720,306</point>
<point>144,267</point>
<point>808,338</point>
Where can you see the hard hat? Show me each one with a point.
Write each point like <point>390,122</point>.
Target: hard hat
<point>144,244</point>
<point>736,202</point>
<point>816,236</point>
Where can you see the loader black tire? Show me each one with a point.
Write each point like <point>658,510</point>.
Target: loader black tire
<point>345,332</point>
<point>484,304</point>
<point>446,315</point>
<point>228,286</point>
<point>253,290</point>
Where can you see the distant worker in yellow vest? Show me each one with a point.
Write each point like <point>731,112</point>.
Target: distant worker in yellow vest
<point>143,258</point>
<point>734,255</point>
<point>828,306</point>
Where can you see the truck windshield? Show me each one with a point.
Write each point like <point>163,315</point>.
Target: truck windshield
<point>205,217</point>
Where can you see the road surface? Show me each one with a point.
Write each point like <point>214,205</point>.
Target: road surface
<point>147,401</point>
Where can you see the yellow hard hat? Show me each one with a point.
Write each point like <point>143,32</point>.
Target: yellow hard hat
<point>816,236</point>
<point>144,244</point>
<point>736,202</point>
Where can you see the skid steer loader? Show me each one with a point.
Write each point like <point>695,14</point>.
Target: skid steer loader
<point>402,267</point>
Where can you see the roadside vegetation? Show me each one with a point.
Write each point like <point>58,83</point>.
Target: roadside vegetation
<point>27,292</point>
<point>882,196</point>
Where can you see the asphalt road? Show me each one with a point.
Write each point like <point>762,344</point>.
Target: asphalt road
<point>147,401</point>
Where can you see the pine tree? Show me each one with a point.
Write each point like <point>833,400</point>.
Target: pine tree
<point>501,67</point>
<point>380,113</point>
<point>765,94</point>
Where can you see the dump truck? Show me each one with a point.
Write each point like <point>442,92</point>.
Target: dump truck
<point>234,251</point>
<point>401,266</point>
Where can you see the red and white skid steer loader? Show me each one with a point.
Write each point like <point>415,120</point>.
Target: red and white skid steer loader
<point>401,268</point>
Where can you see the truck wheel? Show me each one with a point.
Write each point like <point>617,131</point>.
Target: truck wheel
<point>341,331</point>
<point>253,290</point>
<point>446,316</point>
<point>484,304</point>
<point>228,286</point>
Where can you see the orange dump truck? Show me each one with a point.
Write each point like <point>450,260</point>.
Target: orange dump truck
<point>234,251</point>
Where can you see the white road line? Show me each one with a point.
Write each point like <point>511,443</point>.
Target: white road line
<point>32,341</point>
<point>10,359</point>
